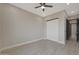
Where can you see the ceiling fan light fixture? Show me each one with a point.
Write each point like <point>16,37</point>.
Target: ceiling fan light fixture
<point>42,7</point>
<point>68,3</point>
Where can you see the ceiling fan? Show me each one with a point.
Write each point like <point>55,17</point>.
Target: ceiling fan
<point>43,5</point>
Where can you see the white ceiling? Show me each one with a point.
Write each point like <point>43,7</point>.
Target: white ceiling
<point>71,9</point>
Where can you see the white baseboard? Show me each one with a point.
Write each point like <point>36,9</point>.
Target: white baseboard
<point>17,45</point>
<point>57,41</point>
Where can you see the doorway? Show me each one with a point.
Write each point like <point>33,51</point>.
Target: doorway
<point>72,31</point>
<point>78,30</point>
<point>68,29</point>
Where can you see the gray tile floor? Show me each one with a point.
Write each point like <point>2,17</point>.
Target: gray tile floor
<point>45,47</point>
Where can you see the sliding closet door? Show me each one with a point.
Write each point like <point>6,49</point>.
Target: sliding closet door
<point>52,30</point>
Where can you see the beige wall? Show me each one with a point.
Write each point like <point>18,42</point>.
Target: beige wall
<point>19,26</point>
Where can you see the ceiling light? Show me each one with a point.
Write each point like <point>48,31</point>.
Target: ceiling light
<point>42,7</point>
<point>68,3</point>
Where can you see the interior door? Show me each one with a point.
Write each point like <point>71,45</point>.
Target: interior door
<point>68,29</point>
<point>77,30</point>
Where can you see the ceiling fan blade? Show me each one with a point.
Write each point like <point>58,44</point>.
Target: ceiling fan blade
<point>48,6</point>
<point>41,4</point>
<point>37,6</point>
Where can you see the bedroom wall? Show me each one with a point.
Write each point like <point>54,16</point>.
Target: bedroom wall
<point>56,29</point>
<point>19,26</point>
